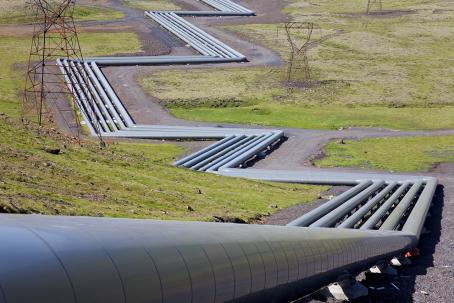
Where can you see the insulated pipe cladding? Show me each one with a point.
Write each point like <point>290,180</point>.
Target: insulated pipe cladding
<point>46,259</point>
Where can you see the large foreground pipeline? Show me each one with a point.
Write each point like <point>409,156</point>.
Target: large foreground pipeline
<point>46,259</point>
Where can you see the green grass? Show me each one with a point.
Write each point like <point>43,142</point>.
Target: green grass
<point>15,12</point>
<point>15,50</point>
<point>150,5</point>
<point>255,95</point>
<point>394,154</point>
<point>125,180</point>
<point>325,117</point>
<point>398,64</point>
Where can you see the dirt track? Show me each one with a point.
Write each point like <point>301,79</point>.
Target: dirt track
<point>431,273</point>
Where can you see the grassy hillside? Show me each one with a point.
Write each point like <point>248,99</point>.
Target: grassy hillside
<point>395,154</point>
<point>124,180</point>
<point>367,70</point>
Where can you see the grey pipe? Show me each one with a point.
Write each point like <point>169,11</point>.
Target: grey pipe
<point>222,49</point>
<point>75,96</point>
<point>336,214</point>
<point>380,212</point>
<point>240,151</point>
<point>253,151</point>
<point>213,40</point>
<point>81,259</point>
<point>116,119</point>
<point>192,41</point>
<point>324,209</point>
<point>214,152</point>
<point>360,213</point>
<point>82,100</point>
<point>202,151</point>
<point>98,99</point>
<point>86,91</point>
<point>213,14</point>
<point>211,161</point>
<point>415,220</point>
<point>396,215</point>
<point>112,95</point>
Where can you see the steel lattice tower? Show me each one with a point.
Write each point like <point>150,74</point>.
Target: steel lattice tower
<point>298,33</point>
<point>46,97</point>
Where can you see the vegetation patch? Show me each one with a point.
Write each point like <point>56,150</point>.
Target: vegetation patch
<point>15,12</point>
<point>46,174</point>
<point>325,117</point>
<point>152,5</point>
<point>393,154</point>
<point>258,96</point>
<point>368,70</point>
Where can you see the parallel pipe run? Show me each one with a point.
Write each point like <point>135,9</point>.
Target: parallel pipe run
<point>312,216</point>
<point>396,215</point>
<point>381,211</point>
<point>366,208</point>
<point>202,151</point>
<point>204,43</point>
<point>244,156</point>
<point>207,162</point>
<point>418,214</point>
<point>338,213</point>
<point>215,159</point>
<point>238,153</point>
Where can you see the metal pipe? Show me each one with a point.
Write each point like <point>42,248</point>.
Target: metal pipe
<point>94,109</point>
<point>335,215</point>
<point>213,39</point>
<point>217,5</point>
<point>316,176</point>
<point>193,38</point>
<point>147,60</point>
<point>97,98</point>
<point>84,105</point>
<point>202,37</point>
<point>79,259</point>
<point>415,220</point>
<point>396,215</point>
<point>116,101</point>
<point>380,212</point>
<point>239,152</point>
<point>214,152</point>
<point>116,119</point>
<point>212,163</point>
<point>213,14</point>
<point>202,151</point>
<point>317,213</point>
<point>361,212</point>
<point>183,36</point>
<point>76,97</point>
<point>253,151</point>
<point>209,162</point>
